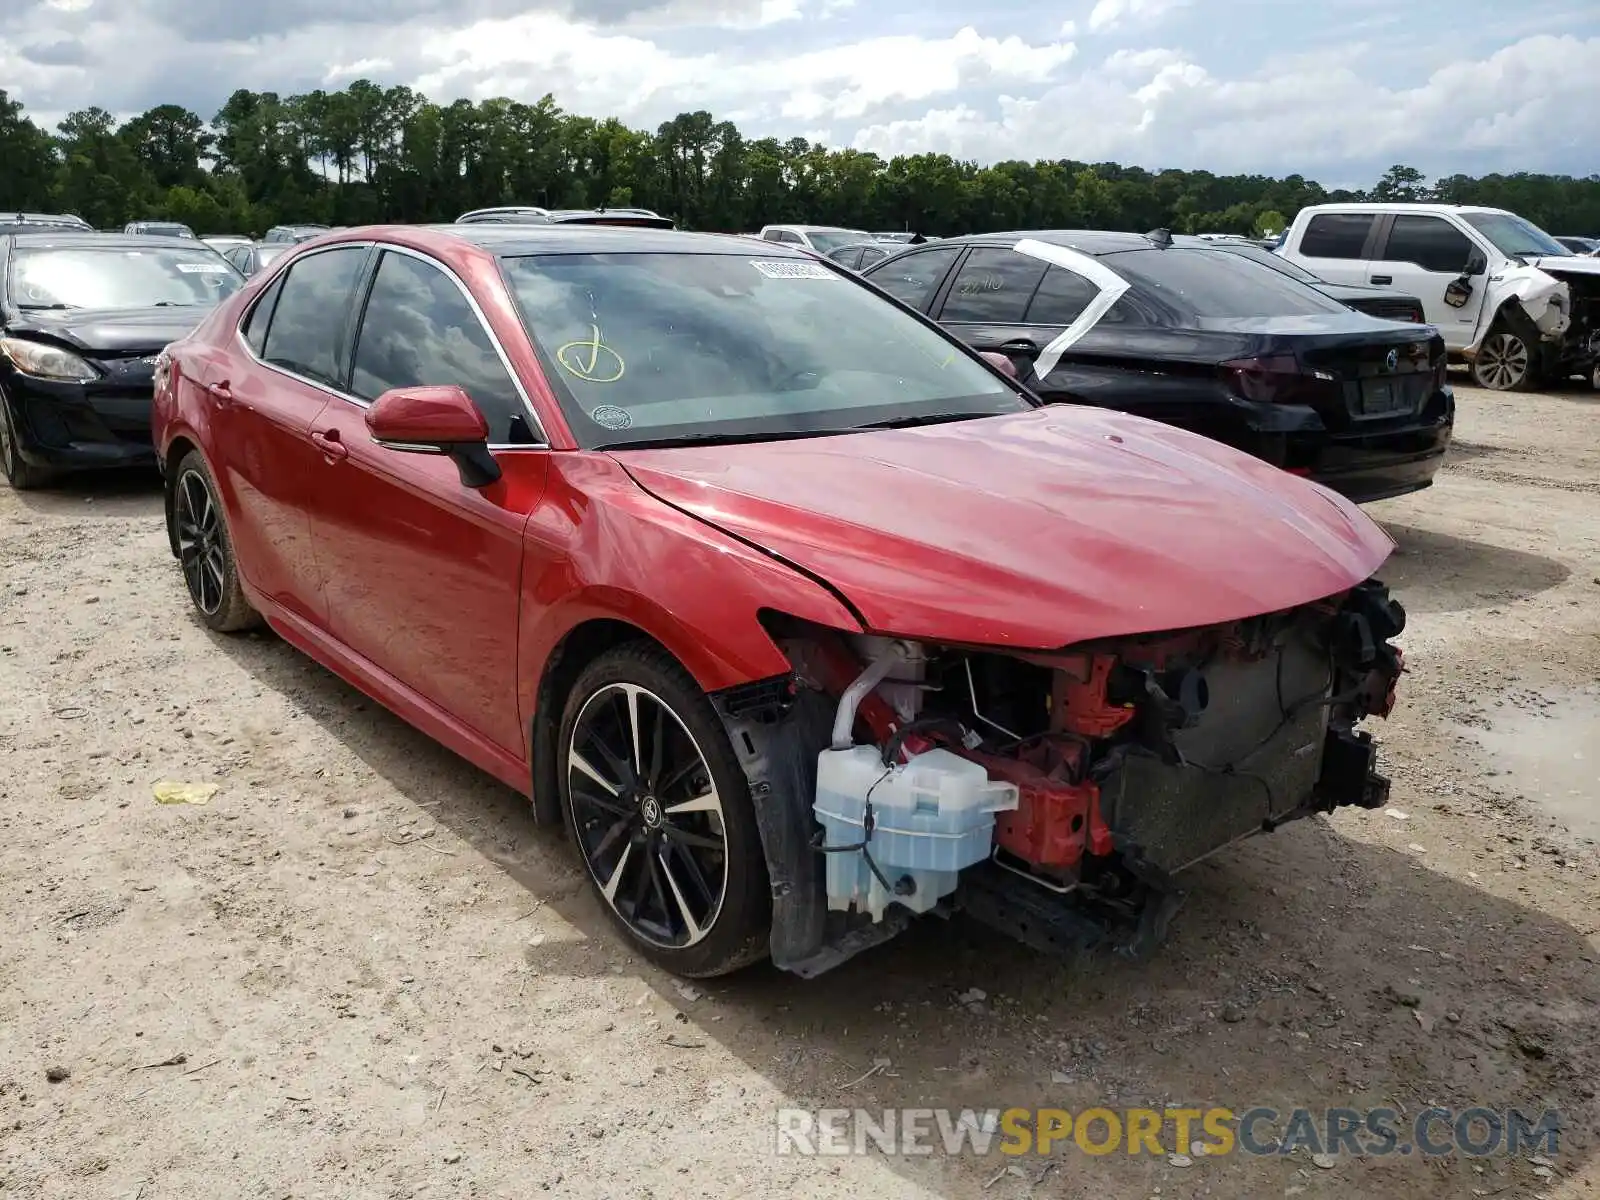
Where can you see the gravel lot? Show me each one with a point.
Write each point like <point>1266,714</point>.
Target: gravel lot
<point>373,977</point>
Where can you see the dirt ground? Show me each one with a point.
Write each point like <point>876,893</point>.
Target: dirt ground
<point>373,977</point>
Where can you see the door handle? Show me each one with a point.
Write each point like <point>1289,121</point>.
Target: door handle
<point>220,392</point>
<point>1383,279</point>
<point>1018,346</point>
<point>331,445</point>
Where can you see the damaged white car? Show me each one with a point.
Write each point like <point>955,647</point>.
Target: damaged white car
<point>1509,299</point>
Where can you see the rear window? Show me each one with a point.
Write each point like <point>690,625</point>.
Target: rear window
<point>1213,284</point>
<point>1337,235</point>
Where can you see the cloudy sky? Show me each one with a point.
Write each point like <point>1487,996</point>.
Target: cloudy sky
<point>1336,91</point>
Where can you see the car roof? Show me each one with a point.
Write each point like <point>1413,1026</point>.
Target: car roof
<point>817,228</point>
<point>515,240</point>
<point>1086,241</point>
<point>1415,206</point>
<point>77,239</point>
<point>8,214</point>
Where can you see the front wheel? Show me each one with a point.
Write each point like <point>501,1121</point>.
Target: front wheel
<point>205,551</point>
<point>1505,362</point>
<point>660,811</point>
<point>22,475</point>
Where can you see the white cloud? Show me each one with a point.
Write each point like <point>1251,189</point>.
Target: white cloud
<point>1109,14</point>
<point>1527,104</point>
<point>518,57</point>
<point>1180,84</point>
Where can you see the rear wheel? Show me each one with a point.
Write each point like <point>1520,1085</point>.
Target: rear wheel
<point>1506,362</point>
<point>20,474</point>
<point>660,811</point>
<point>205,551</point>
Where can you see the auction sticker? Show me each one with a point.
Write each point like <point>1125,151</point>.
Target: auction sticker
<point>609,416</point>
<point>204,268</point>
<point>789,269</point>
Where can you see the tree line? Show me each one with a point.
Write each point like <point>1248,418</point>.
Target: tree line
<point>370,154</point>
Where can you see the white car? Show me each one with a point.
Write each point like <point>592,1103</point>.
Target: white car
<point>821,238</point>
<point>1512,301</point>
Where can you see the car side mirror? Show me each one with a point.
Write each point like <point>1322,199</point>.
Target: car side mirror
<point>1477,264</point>
<point>999,362</point>
<point>1457,292</point>
<point>436,420</point>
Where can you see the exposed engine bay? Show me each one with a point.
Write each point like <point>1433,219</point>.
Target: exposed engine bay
<point>1055,796</point>
<point>1576,349</point>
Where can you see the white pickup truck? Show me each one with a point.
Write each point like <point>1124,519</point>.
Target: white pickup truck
<point>1508,298</point>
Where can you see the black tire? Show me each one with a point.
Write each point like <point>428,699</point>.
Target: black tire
<point>205,550</point>
<point>1508,360</point>
<point>22,475</point>
<point>633,828</point>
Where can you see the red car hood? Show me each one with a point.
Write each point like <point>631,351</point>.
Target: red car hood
<point>1036,530</point>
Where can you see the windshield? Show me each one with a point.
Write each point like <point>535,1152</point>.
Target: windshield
<point>1513,236</point>
<point>831,239</point>
<point>651,347</point>
<point>1207,284</point>
<point>106,277</point>
<point>1268,259</point>
<point>265,254</point>
<point>160,229</point>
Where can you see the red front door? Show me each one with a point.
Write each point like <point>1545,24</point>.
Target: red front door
<point>423,575</point>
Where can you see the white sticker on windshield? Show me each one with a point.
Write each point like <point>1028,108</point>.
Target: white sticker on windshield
<point>791,269</point>
<point>203,268</point>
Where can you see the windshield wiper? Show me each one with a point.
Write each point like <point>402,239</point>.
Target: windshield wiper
<point>925,419</point>
<point>39,307</point>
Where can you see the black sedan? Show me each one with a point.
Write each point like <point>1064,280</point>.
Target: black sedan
<point>82,318</point>
<point>1200,339</point>
<point>1379,302</point>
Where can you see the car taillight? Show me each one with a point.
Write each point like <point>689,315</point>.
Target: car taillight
<point>1275,379</point>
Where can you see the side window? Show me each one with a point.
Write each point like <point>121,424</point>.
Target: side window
<point>993,287</point>
<point>308,324</point>
<point>259,318</point>
<point>773,235</point>
<point>914,278</point>
<point>1061,297</point>
<point>1431,242</point>
<point>419,330</point>
<point>239,256</point>
<point>1337,235</point>
<point>790,238</point>
<point>871,254</point>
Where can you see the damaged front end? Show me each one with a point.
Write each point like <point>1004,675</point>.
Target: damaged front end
<point>1055,796</point>
<point>1575,349</point>
<point>1556,308</point>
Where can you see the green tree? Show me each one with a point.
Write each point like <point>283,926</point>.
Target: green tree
<point>367,153</point>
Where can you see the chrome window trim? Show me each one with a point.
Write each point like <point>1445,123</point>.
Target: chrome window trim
<point>537,427</point>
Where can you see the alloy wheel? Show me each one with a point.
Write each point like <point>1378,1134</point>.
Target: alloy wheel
<point>7,447</point>
<point>200,542</point>
<point>647,815</point>
<point>1502,362</point>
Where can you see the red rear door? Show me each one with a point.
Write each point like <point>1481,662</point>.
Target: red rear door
<point>264,396</point>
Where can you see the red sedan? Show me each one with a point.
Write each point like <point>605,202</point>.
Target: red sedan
<point>805,619</point>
